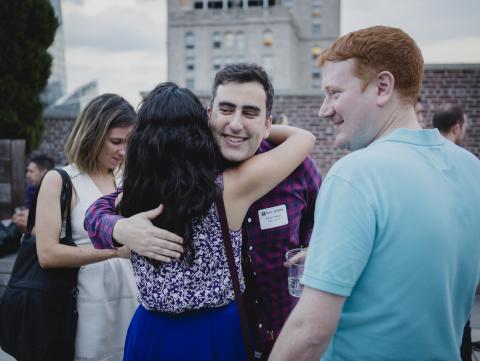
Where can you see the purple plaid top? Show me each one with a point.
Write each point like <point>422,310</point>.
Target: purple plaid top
<point>269,238</point>
<point>279,221</point>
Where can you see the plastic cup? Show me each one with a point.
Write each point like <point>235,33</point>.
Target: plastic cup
<point>19,210</point>
<point>295,272</point>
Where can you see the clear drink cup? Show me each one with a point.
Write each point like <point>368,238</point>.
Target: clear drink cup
<point>295,272</point>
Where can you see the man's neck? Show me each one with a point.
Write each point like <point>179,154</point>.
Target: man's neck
<point>225,163</point>
<point>450,136</point>
<point>402,117</point>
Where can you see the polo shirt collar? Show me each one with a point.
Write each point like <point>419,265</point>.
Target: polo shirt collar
<point>425,137</point>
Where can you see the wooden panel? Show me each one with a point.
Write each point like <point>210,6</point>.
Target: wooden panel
<point>5,210</point>
<point>5,196</point>
<point>18,171</point>
<point>6,265</point>
<point>4,149</point>
<point>5,171</point>
<point>5,204</point>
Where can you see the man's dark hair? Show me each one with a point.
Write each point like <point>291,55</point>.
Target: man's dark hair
<point>444,120</point>
<point>244,73</point>
<point>43,162</point>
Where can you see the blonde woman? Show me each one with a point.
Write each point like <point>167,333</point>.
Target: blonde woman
<point>107,295</point>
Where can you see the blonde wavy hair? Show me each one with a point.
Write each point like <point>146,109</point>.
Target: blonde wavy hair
<point>86,139</point>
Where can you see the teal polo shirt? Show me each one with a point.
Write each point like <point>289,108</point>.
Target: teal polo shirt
<point>396,232</point>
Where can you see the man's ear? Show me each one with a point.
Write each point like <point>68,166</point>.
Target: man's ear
<point>268,126</point>
<point>385,84</point>
<point>456,129</point>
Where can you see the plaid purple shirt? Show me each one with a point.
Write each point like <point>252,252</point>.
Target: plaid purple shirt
<point>267,246</point>
<point>294,202</point>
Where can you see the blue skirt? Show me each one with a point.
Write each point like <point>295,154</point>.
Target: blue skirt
<point>205,335</point>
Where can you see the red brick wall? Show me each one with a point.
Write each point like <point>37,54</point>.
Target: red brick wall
<point>456,84</point>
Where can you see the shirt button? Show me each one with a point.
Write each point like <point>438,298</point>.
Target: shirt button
<point>256,301</point>
<point>260,325</point>
<point>249,220</point>
<point>250,248</point>
<point>254,273</point>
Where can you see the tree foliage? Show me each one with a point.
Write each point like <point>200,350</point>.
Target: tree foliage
<point>27,30</point>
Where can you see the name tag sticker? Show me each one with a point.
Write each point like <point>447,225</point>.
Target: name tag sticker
<point>273,217</point>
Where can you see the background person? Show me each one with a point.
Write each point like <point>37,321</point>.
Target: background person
<point>452,123</point>
<point>280,119</point>
<point>36,169</point>
<point>394,258</point>
<point>268,241</point>
<point>107,295</point>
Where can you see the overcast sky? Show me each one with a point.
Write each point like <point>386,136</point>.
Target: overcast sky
<point>122,43</point>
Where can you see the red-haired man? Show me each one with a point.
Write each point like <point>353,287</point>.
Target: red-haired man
<point>394,256</point>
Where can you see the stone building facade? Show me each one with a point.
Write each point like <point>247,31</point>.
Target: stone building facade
<point>443,84</point>
<point>284,36</point>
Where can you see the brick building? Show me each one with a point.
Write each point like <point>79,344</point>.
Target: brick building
<point>443,84</point>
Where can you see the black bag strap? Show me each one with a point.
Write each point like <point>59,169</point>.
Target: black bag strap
<point>233,274</point>
<point>65,201</point>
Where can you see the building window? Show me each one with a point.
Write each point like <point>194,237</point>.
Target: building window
<point>198,5</point>
<point>190,63</point>
<point>190,40</point>
<point>316,78</point>
<point>316,51</point>
<point>217,63</point>
<point>316,10</point>
<point>254,3</point>
<point>215,4</point>
<point>190,83</point>
<point>240,40</point>
<point>235,3</point>
<point>217,40</point>
<point>229,40</point>
<point>316,29</point>
<point>184,4</point>
<point>268,63</point>
<point>267,38</point>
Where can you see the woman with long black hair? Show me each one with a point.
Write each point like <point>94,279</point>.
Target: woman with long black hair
<point>188,309</point>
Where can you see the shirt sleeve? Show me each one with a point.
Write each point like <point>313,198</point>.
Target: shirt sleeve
<point>342,238</point>
<point>100,219</point>
<point>312,182</point>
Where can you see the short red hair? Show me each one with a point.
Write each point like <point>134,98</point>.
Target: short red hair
<point>377,49</point>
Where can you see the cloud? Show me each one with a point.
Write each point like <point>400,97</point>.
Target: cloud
<point>460,50</point>
<point>123,72</point>
<point>119,43</point>
<point>116,27</point>
<point>426,21</point>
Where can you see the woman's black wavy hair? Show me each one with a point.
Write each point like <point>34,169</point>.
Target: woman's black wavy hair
<point>171,159</point>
